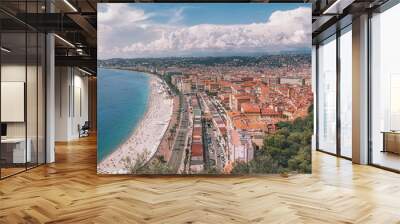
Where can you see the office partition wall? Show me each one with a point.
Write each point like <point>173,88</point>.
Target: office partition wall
<point>14,153</point>
<point>334,93</point>
<point>22,77</point>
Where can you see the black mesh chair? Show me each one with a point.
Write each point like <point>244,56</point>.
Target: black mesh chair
<point>84,130</point>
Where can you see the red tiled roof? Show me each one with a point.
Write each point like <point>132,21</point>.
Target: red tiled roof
<point>196,138</point>
<point>241,97</point>
<point>246,124</point>
<point>266,111</point>
<point>222,130</point>
<point>225,83</point>
<point>197,149</point>
<point>250,108</point>
<point>248,84</point>
<point>196,131</point>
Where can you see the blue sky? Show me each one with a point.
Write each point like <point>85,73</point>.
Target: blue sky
<point>216,13</point>
<point>201,29</point>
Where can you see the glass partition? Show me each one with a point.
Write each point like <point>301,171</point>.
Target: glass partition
<point>385,89</point>
<point>22,77</point>
<point>14,153</point>
<point>346,92</point>
<point>327,95</point>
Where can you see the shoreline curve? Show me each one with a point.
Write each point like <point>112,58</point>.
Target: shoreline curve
<point>146,135</point>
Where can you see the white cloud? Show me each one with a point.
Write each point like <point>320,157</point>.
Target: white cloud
<point>120,15</point>
<point>284,30</point>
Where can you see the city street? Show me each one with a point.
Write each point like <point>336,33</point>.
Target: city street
<point>179,145</point>
<point>215,152</point>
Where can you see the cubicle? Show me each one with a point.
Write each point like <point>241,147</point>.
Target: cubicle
<point>22,96</point>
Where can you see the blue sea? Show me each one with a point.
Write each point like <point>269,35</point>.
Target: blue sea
<point>122,98</point>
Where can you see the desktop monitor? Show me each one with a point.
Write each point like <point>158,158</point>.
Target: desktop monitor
<point>3,129</point>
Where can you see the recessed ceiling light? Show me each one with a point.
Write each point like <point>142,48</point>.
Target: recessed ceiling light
<point>70,5</point>
<point>64,40</point>
<point>337,7</point>
<point>5,50</point>
<point>86,72</point>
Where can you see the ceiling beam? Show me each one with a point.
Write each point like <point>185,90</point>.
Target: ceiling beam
<point>85,25</point>
<point>78,61</point>
<point>337,7</point>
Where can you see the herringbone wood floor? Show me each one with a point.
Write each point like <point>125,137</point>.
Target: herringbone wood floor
<point>69,191</point>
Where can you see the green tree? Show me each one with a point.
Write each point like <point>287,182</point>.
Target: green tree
<point>168,80</point>
<point>157,165</point>
<point>261,164</point>
<point>287,150</point>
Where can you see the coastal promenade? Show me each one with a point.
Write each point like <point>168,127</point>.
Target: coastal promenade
<point>180,141</point>
<point>165,147</point>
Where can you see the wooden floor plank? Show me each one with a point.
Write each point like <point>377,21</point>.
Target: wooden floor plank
<point>70,191</point>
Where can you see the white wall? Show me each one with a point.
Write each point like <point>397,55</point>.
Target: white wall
<point>17,73</point>
<point>80,84</point>
<point>14,72</point>
<point>69,84</point>
<point>62,82</point>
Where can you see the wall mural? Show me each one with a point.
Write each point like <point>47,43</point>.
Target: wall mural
<point>204,88</point>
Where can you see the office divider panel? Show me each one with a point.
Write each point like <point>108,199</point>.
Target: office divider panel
<point>15,149</point>
<point>22,63</point>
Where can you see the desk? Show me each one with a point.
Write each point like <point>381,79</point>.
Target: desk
<point>391,141</point>
<point>13,150</point>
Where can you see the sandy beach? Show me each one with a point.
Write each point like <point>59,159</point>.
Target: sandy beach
<point>148,133</point>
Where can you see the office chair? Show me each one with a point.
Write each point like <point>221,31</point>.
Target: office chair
<point>84,130</point>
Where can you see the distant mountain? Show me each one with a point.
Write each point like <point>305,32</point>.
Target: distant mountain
<point>243,54</point>
<point>270,60</point>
